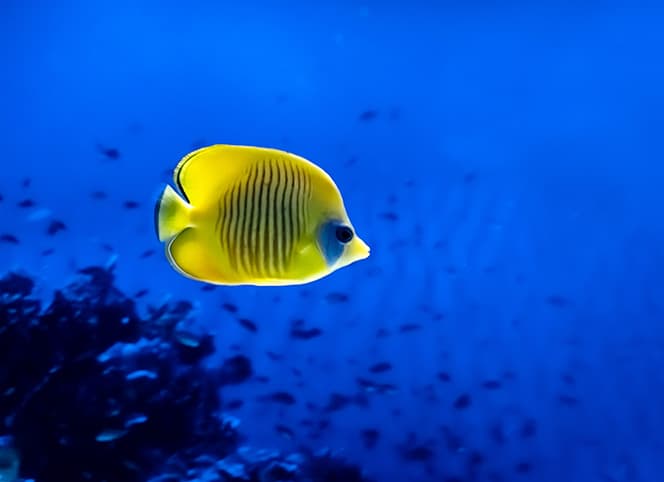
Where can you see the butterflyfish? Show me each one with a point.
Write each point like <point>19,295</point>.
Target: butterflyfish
<point>254,216</point>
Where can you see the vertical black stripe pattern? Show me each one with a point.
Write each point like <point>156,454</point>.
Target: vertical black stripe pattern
<point>270,232</point>
<point>286,213</point>
<point>233,251</point>
<point>263,261</point>
<point>262,218</point>
<point>247,213</point>
<point>277,234</point>
<point>254,235</point>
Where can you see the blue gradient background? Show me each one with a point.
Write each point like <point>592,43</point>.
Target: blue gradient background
<point>518,144</point>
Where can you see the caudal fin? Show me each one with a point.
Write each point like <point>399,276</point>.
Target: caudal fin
<point>171,214</point>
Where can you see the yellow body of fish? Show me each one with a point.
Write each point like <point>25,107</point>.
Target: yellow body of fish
<point>254,216</point>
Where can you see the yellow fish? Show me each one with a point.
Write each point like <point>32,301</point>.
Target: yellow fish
<point>254,216</point>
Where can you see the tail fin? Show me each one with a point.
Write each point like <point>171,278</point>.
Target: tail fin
<point>171,214</point>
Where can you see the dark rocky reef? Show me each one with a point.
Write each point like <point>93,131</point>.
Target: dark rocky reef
<point>90,391</point>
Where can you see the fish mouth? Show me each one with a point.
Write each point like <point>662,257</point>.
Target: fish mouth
<point>359,249</point>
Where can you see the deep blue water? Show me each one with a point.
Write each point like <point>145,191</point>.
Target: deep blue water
<point>504,163</point>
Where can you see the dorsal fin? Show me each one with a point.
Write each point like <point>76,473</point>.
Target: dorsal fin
<point>202,175</point>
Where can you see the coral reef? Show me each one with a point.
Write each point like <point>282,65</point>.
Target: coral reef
<point>90,391</point>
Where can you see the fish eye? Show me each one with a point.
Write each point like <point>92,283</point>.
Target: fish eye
<point>344,234</point>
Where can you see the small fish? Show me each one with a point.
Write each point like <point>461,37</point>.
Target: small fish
<point>147,253</point>
<point>491,384</point>
<point>254,216</point>
<point>55,227</point>
<point>26,182</point>
<point>48,252</point>
<point>476,458</point>
<point>130,204</point>
<point>110,435</point>
<point>409,327</point>
<point>462,402</point>
<point>110,152</point>
<point>389,216</point>
<point>208,288</point>
<point>98,195</point>
<point>470,177</point>
<point>274,356</point>
<point>568,378</point>
<point>26,203</point>
<point>283,398</point>
<point>248,325</point>
<point>138,374</point>
<point>336,297</point>
<point>9,238</point>
<point>444,377</point>
<point>230,307</point>
<point>305,334</point>
<point>368,115</point>
<point>336,402</point>
<point>380,367</point>
<point>136,420</point>
<point>141,293</point>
